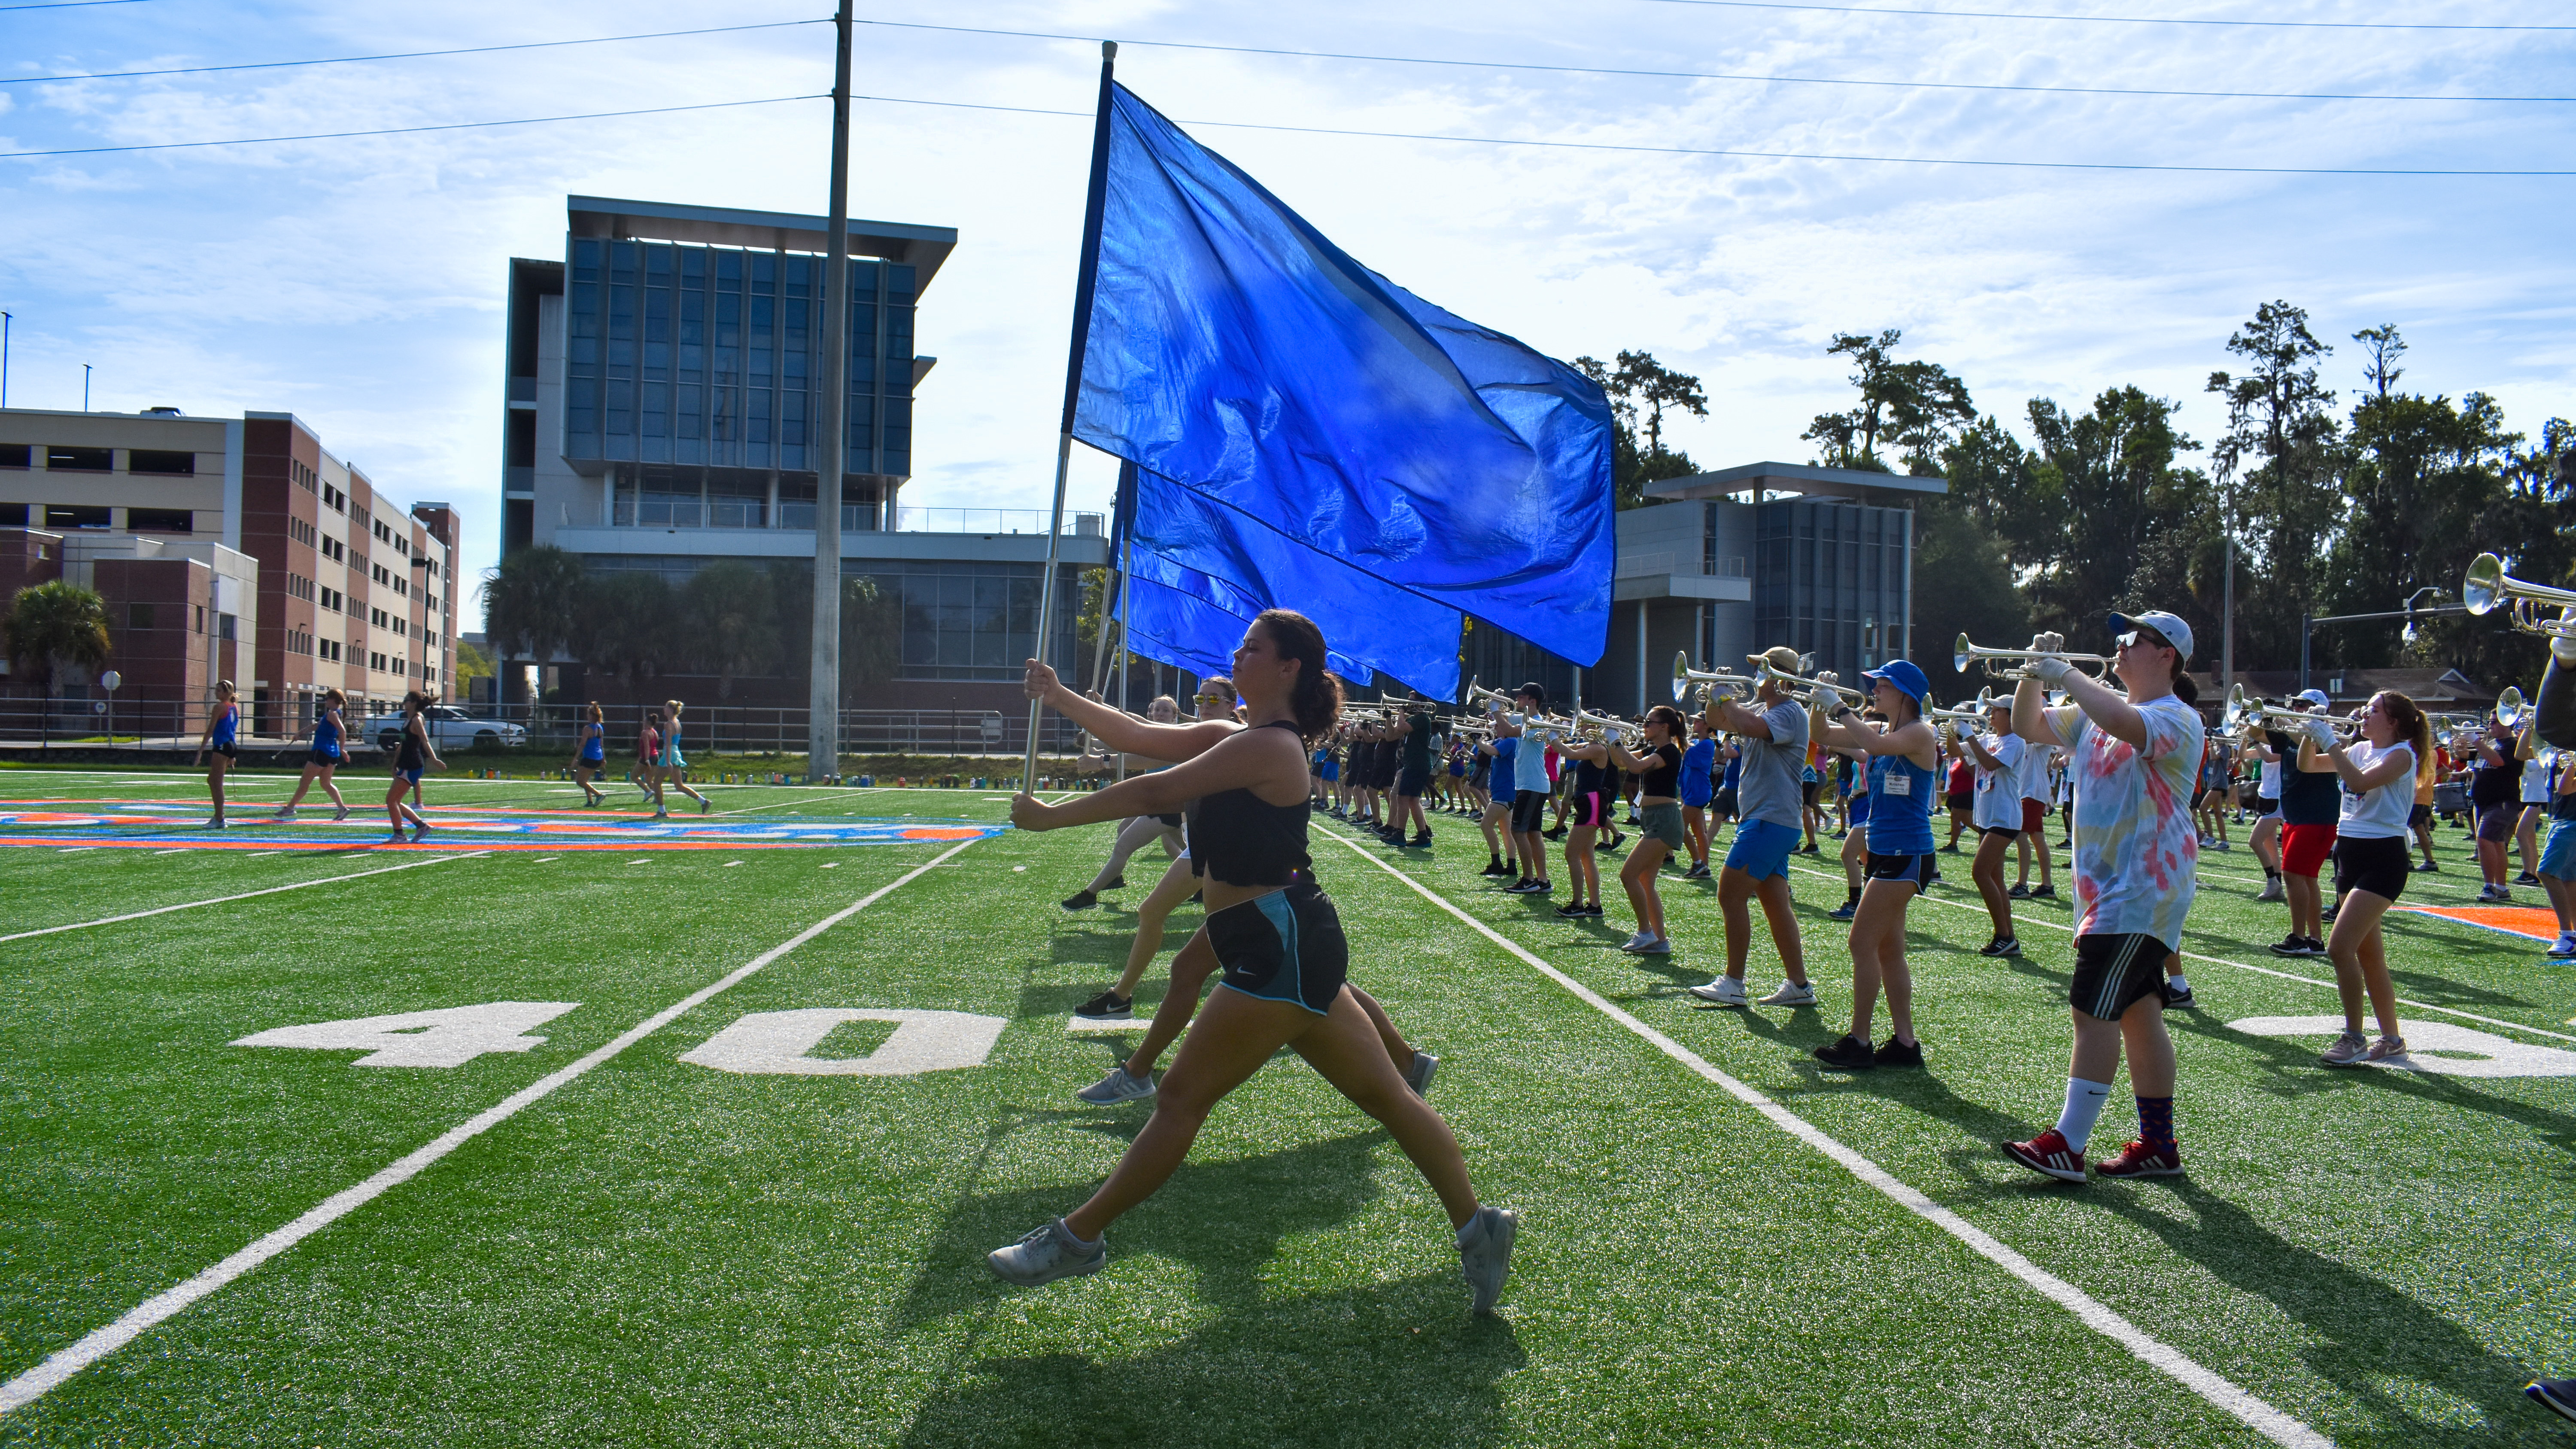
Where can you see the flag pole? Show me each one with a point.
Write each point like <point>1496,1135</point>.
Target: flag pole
<point>1090,271</point>
<point>823,697</point>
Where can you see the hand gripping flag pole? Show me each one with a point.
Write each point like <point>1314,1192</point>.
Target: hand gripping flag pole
<point>1091,213</point>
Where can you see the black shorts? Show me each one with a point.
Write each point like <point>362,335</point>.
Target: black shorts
<point>1529,812</point>
<point>2267,805</point>
<point>1914,869</point>
<point>1384,778</point>
<point>1173,821</point>
<point>1412,781</point>
<point>1726,803</point>
<point>227,751</point>
<point>2007,831</point>
<point>1285,946</point>
<point>2377,864</point>
<point>2197,796</point>
<point>1807,791</point>
<point>2114,972</point>
<point>2420,815</point>
<point>1959,799</point>
<point>321,761</point>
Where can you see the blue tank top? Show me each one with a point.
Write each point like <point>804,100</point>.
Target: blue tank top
<point>326,735</point>
<point>1900,806</point>
<point>594,744</point>
<point>226,723</point>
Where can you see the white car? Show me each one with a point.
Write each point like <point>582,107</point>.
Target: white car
<point>449,728</point>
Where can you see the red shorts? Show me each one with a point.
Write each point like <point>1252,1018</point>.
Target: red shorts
<point>2034,815</point>
<point>2304,848</point>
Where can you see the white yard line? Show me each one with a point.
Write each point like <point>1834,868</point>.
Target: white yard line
<point>36,1382</point>
<point>2257,1415</point>
<point>2069,928</point>
<point>245,895</point>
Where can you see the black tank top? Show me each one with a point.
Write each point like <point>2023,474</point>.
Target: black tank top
<point>1241,839</point>
<point>1658,780</point>
<point>408,756</point>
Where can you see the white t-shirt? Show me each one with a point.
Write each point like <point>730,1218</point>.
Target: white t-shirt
<point>2135,845</point>
<point>1529,762</point>
<point>1998,798</point>
<point>2034,772</point>
<point>2381,813</point>
<point>2535,783</point>
<point>2270,788</point>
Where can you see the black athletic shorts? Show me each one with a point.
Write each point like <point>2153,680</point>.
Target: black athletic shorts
<point>1174,820</point>
<point>1915,869</point>
<point>1726,802</point>
<point>2003,830</point>
<point>317,758</point>
<point>1285,946</point>
<point>1529,812</point>
<point>2266,805</point>
<point>228,752</point>
<point>1807,791</point>
<point>2420,815</point>
<point>1384,779</point>
<point>1412,782</point>
<point>2377,864</point>
<point>1959,799</point>
<point>2113,972</point>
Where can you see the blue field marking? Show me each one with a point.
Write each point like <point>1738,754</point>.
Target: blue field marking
<point>162,825</point>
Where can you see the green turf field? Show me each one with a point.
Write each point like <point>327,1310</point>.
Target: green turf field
<point>594,1239</point>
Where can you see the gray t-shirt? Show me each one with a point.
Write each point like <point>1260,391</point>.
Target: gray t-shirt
<point>1767,789</point>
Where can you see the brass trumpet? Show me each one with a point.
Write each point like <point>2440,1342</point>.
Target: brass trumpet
<point>1968,653</point>
<point>2245,710</point>
<point>2511,710</point>
<point>1803,688</point>
<point>1986,702</point>
<point>1684,677</point>
<point>1600,728</point>
<point>2488,587</point>
<point>1493,700</point>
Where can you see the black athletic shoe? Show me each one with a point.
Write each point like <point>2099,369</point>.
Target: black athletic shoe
<point>1570,909</point>
<point>1557,834</point>
<point>1116,883</point>
<point>1593,910</point>
<point>1898,1054</point>
<point>2043,893</point>
<point>1419,842</point>
<point>2001,946</point>
<point>1848,1054</point>
<point>2426,867</point>
<point>1079,901</point>
<point>1107,1006</point>
<point>1495,867</point>
<point>2018,893</point>
<point>1950,849</point>
<point>2178,995</point>
<point>2293,944</point>
<point>2558,1396</point>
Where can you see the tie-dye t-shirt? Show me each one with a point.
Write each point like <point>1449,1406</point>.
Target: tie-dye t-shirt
<point>2135,849</point>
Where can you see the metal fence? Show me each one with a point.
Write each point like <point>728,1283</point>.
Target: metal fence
<point>551,728</point>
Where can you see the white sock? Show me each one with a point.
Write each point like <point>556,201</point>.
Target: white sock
<point>2083,1103</point>
<point>2176,981</point>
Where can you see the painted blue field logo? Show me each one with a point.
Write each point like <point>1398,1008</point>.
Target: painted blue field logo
<point>167,824</point>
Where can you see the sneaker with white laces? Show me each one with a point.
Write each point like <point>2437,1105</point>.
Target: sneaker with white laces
<point>2348,1050</point>
<point>2137,1159</point>
<point>2048,1153</point>
<point>1107,1006</point>
<point>1792,993</point>
<point>1637,941</point>
<point>2566,947</point>
<point>1117,1088</point>
<point>1725,991</point>
<point>1485,1253</point>
<point>1048,1252</point>
<point>2386,1048</point>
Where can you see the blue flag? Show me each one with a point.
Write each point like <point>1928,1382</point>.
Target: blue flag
<point>1233,349</point>
<point>1364,618</point>
<point>1180,616</point>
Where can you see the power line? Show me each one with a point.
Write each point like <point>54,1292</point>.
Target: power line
<point>70,4</point>
<point>1713,75</point>
<point>412,130</point>
<point>1337,131</point>
<point>21,80</point>
<point>1764,155</point>
<point>2115,19</point>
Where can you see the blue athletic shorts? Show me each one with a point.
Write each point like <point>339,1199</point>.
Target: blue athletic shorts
<point>1761,849</point>
<point>2558,857</point>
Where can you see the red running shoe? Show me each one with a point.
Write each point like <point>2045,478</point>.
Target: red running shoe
<point>2048,1153</point>
<point>2139,1160</point>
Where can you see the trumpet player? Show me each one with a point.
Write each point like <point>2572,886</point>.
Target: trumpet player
<point>2376,775</point>
<point>2133,756</point>
<point>1533,786</point>
<point>1996,757</point>
<point>1771,736</point>
<point>2311,802</point>
<point>1904,768</point>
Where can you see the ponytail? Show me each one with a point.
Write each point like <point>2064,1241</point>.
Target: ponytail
<point>2412,727</point>
<point>1317,702</point>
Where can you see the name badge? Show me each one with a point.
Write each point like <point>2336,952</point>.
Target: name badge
<point>1898,783</point>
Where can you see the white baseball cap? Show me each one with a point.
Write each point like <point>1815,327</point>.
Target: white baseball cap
<point>2176,632</point>
<point>2316,697</point>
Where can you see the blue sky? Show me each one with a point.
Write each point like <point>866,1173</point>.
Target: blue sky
<point>359,283</point>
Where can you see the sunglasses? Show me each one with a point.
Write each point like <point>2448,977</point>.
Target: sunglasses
<point>2136,637</point>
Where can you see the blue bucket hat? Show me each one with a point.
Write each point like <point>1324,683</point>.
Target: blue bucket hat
<point>1902,674</point>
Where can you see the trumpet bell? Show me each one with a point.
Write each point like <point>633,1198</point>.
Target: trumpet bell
<point>2511,710</point>
<point>2483,588</point>
<point>1966,655</point>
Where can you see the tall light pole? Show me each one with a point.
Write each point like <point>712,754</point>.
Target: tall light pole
<point>84,387</point>
<point>4,359</point>
<point>823,714</point>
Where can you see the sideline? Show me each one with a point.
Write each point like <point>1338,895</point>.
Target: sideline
<point>98,1343</point>
<point>2069,928</point>
<point>245,895</point>
<point>2253,1412</point>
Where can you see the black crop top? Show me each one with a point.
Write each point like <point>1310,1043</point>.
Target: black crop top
<point>1241,839</point>
<point>1659,778</point>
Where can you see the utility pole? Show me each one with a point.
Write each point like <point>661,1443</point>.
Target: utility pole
<point>2227,622</point>
<point>823,712</point>
<point>84,387</point>
<point>5,319</point>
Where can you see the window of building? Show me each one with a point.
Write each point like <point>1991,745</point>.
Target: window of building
<point>78,515</point>
<point>160,520</point>
<point>16,455</point>
<point>80,460</point>
<point>200,626</point>
<point>13,515</point>
<point>138,616</point>
<point>153,460</point>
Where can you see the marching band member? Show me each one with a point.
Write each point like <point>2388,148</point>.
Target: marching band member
<point>1273,933</point>
<point>1659,822</point>
<point>1699,790</point>
<point>2133,756</point>
<point>2378,774</point>
<point>1534,785</point>
<point>1772,736</point>
<point>1904,769</point>
<point>1996,757</point>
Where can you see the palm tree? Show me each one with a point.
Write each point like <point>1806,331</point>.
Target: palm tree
<point>733,621</point>
<point>622,626</point>
<point>49,627</point>
<point>528,603</point>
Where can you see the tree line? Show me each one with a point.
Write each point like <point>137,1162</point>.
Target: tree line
<point>732,619</point>
<point>2333,509</point>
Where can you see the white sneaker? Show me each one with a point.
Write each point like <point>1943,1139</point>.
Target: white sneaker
<point>2271,891</point>
<point>1049,1252</point>
<point>1725,991</point>
<point>1792,993</point>
<point>2565,949</point>
<point>1658,946</point>
<point>1638,941</point>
